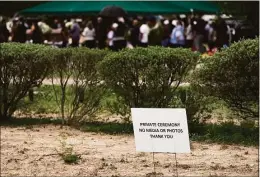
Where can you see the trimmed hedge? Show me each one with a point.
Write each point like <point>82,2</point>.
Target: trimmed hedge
<point>82,99</point>
<point>147,77</point>
<point>232,75</point>
<point>22,67</point>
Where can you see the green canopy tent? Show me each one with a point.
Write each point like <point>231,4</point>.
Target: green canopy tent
<point>132,7</point>
<point>197,6</point>
<point>94,7</point>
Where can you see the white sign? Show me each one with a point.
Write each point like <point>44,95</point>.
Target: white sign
<point>161,130</point>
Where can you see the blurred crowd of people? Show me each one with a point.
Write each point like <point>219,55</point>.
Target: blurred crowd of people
<point>117,33</point>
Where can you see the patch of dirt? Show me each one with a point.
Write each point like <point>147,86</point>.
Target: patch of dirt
<point>35,152</point>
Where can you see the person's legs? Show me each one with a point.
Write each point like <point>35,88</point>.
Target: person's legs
<point>75,43</point>
<point>101,44</point>
<point>89,44</point>
<point>111,48</point>
<point>92,44</point>
<point>116,46</point>
<point>143,44</point>
<point>121,44</point>
<point>196,43</point>
<point>201,47</point>
<point>165,42</point>
<point>211,45</point>
<point>174,45</point>
<point>189,43</point>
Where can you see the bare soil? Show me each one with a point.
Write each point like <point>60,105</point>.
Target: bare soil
<point>34,151</point>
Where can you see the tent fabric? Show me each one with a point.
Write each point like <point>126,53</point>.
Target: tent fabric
<point>197,6</point>
<point>137,7</point>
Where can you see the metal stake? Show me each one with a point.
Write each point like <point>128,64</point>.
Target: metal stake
<point>176,167</point>
<point>154,165</point>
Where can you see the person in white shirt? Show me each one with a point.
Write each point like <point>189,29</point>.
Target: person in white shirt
<point>111,35</point>
<point>144,33</point>
<point>89,36</point>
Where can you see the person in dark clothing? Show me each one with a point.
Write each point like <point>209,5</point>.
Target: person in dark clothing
<point>37,35</point>
<point>119,35</point>
<point>75,34</point>
<point>166,33</point>
<point>64,36</point>
<point>222,33</point>
<point>101,32</point>
<point>211,31</point>
<point>19,31</point>
<point>155,36</point>
<point>199,32</point>
<point>56,24</point>
<point>4,33</point>
<point>134,33</point>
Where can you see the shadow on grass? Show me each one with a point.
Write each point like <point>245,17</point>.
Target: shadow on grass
<point>226,133</point>
<point>16,122</point>
<point>108,128</point>
<point>101,127</point>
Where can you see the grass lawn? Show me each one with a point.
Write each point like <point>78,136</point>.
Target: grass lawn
<point>44,103</point>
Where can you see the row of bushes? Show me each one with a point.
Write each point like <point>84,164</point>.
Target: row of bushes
<point>140,77</point>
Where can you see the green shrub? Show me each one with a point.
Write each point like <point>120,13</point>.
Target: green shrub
<point>199,108</point>
<point>23,66</point>
<point>116,105</point>
<point>43,103</point>
<point>71,158</point>
<point>146,77</point>
<point>232,75</point>
<point>226,132</point>
<point>82,99</point>
<point>68,155</point>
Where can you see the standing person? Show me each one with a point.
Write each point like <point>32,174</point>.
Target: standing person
<point>199,33</point>
<point>75,33</point>
<point>64,36</point>
<point>177,36</point>
<point>189,34</point>
<point>101,33</point>
<point>56,24</point>
<point>89,36</point>
<point>110,36</point>
<point>4,33</point>
<point>166,33</point>
<point>156,32</point>
<point>222,33</point>
<point>19,30</point>
<point>144,33</point>
<point>211,35</point>
<point>119,35</point>
<point>134,33</point>
<point>37,35</point>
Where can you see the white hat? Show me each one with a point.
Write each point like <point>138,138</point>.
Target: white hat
<point>114,25</point>
<point>78,20</point>
<point>39,23</point>
<point>166,22</point>
<point>121,19</point>
<point>68,24</point>
<point>174,22</point>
